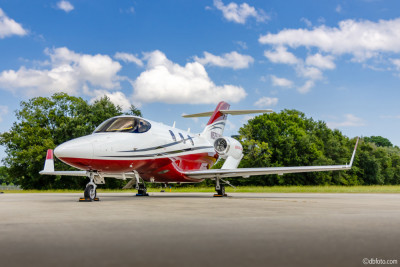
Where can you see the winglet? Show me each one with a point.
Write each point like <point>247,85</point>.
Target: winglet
<point>49,163</point>
<point>354,152</point>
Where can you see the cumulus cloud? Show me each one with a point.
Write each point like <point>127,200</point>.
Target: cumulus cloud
<point>266,102</point>
<point>232,60</point>
<point>65,5</point>
<point>320,61</point>
<point>363,39</point>
<point>9,27</point>
<point>306,87</point>
<point>169,82</point>
<point>281,55</point>
<point>350,120</point>
<point>240,13</point>
<point>118,98</point>
<point>67,71</point>
<point>3,112</point>
<point>396,62</point>
<point>126,57</point>
<point>281,82</point>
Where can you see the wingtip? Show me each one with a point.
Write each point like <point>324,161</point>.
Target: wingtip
<point>50,154</point>
<point>354,152</point>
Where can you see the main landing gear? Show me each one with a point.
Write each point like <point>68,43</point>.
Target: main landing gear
<point>220,188</point>
<point>90,190</point>
<point>141,187</point>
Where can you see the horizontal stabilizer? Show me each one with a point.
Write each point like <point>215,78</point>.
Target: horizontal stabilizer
<point>230,112</point>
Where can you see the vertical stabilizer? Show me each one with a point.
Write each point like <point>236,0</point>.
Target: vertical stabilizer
<point>216,125</point>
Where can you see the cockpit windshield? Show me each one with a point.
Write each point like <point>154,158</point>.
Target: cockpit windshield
<point>124,124</point>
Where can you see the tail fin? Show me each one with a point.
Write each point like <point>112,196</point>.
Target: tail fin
<point>216,125</point>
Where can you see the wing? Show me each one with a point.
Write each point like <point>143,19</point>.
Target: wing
<point>246,172</point>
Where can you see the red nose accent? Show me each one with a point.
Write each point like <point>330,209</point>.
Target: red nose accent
<point>49,154</point>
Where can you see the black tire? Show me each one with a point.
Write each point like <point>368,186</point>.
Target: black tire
<point>142,189</point>
<point>221,190</point>
<point>90,192</point>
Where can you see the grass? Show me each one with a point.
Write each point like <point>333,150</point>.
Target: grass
<point>244,189</point>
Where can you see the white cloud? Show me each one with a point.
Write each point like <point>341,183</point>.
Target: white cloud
<point>350,120</point>
<point>363,39</point>
<point>9,27</point>
<point>168,82</point>
<point>309,72</point>
<point>232,60</point>
<point>68,72</point>
<point>320,61</point>
<point>281,55</point>
<point>266,102</point>
<point>396,62</point>
<point>242,44</point>
<point>130,10</point>
<point>118,98</point>
<point>65,5</point>
<point>306,21</point>
<point>306,87</point>
<point>3,111</point>
<point>126,57</point>
<point>240,13</point>
<point>338,9</point>
<point>281,82</point>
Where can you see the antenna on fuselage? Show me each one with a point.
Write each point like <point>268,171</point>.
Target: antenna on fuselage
<point>188,130</point>
<point>173,125</point>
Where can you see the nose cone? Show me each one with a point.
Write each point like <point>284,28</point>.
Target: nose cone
<point>77,153</point>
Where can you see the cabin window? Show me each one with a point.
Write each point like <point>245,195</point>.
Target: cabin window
<point>173,135</point>
<point>183,138</point>
<point>191,140</point>
<point>124,124</point>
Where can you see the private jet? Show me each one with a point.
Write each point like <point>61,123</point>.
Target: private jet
<point>130,147</point>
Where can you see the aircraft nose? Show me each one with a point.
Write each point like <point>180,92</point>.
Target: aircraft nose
<point>79,148</point>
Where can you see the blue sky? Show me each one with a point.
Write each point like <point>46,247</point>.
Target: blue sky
<point>337,61</point>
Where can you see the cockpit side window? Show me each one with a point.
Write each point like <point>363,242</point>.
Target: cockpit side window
<point>143,126</point>
<point>124,124</point>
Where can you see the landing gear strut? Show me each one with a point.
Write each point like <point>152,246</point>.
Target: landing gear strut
<point>141,187</point>
<point>90,191</point>
<point>220,188</point>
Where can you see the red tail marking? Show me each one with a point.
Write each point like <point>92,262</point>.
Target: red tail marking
<point>217,116</point>
<point>49,154</point>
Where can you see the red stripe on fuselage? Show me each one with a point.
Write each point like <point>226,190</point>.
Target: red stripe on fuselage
<point>159,169</point>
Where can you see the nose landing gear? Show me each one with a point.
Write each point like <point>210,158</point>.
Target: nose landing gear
<point>90,192</point>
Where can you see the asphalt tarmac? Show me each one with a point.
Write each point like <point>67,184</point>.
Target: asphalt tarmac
<point>195,229</point>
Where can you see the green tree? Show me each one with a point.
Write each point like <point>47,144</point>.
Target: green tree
<point>289,138</point>
<point>3,175</point>
<point>43,123</point>
<point>378,141</point>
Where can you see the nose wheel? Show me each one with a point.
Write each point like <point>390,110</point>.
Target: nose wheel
<point>90,192</point>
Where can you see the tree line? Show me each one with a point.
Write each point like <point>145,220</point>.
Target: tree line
<point>287,138</point>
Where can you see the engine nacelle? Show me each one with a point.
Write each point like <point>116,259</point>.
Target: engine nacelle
<point>229,149</point>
